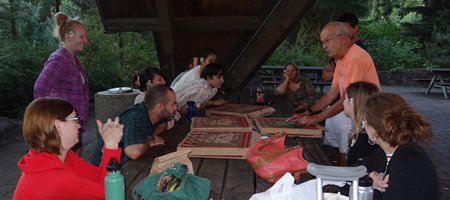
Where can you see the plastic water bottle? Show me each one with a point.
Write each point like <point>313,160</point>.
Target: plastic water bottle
<point>365,190</point>
<point>260,95</point>
<point>191,109</point>
<point>114,181</point>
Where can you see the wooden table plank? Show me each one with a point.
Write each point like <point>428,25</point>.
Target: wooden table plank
<point>239,180</point>
<point>196,162</point>
<point>214,170</point>
<point>312,151</point>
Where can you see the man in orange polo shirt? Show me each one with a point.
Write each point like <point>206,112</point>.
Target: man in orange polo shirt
<point>354,64</point>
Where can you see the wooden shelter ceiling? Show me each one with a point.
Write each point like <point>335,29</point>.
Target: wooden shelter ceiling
<point>243,32</point>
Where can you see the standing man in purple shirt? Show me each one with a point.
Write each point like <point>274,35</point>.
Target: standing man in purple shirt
<point>63,74</point>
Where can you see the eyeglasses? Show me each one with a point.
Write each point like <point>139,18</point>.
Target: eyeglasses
<point>326,42</point>
<point>77,119</point>
<point>364,124</point>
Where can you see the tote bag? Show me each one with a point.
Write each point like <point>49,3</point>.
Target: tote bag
<point>271,159</point>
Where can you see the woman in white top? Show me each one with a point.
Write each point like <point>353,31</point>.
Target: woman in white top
<point>146,79</point>
<point>202,90</point>
<point>208,56</point>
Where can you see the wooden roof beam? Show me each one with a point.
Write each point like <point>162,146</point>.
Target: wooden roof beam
<point>132,24</point>
<point>281,20</point>
<point>232,23</point>
<point>164,39</point>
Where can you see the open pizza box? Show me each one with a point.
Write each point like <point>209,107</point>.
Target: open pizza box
<point>269,126</point>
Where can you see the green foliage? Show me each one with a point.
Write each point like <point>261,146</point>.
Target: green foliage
<point>139,51</point>
<point>389,47</point>
<point>109,59</point>
<point>313,56</point>
<point>433,32</point>
<point>20,64</point>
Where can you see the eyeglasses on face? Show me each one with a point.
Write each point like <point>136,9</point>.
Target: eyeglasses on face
<point>326,42</point>
<point>77,119</point>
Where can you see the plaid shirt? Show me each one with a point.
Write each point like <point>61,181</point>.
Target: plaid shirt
<point>62,78</point>
<point>137,127</point>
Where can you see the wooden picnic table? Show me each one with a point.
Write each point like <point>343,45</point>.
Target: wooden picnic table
<point>230,178</point>
<point>314,73</point>
<point>438,73</point>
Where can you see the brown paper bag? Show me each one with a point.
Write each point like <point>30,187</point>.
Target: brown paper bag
<point>162,162</point>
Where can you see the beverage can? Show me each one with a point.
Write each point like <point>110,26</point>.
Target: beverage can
<point>260,95</point>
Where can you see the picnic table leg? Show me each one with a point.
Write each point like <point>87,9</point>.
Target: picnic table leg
<point>431,84</point>
<point>444,88</point>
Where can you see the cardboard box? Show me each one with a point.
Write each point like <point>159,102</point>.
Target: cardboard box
<point>269,126</point>
<point>240,110</point>
<point>222,123</point>
<point>219,144</point>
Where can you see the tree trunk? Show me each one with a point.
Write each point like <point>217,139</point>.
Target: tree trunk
<point>432,3</point>
<point>57,4</point>
<point>291,38</point>
<point>13,10</point>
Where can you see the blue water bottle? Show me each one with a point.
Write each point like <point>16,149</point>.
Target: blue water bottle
<point>191,108</point>
<point>114,181</point>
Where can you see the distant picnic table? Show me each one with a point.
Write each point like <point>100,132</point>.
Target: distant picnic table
<point>440,74</point>
<point>314,73</point>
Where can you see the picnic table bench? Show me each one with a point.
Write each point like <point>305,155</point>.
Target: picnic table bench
<point>439,74</point>
<point>230,178</point>
<point>311,72</point>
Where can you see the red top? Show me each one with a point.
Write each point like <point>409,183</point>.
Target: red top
<point>44,176</point>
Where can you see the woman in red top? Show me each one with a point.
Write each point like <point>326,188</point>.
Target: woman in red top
<point>51,170</point>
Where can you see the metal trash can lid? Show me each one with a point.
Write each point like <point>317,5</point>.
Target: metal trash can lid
<point>119,90</point>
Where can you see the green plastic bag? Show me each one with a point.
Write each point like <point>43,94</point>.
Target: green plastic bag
<point>174,183</point>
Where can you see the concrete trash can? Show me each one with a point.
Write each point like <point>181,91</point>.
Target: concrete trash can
<point>111,105</point>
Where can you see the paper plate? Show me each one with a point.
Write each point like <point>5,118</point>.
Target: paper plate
<point>119,90</point>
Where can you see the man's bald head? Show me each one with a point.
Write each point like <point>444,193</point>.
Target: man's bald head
<point>337,28</point>
<point>335,39</point>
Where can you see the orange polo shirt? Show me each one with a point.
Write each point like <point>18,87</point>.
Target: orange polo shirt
<point>356,65</point>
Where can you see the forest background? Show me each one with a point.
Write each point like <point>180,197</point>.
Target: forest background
<point>402,35</point>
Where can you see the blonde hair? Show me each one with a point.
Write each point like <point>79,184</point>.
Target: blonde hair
<point>297,75</point>
<point>359,92</point>
<point>64,25</point>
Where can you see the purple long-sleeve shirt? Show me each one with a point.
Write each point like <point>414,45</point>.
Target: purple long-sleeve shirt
<point>62,78</point>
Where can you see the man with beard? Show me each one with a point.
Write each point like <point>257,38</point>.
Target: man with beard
<point>140,122</point>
